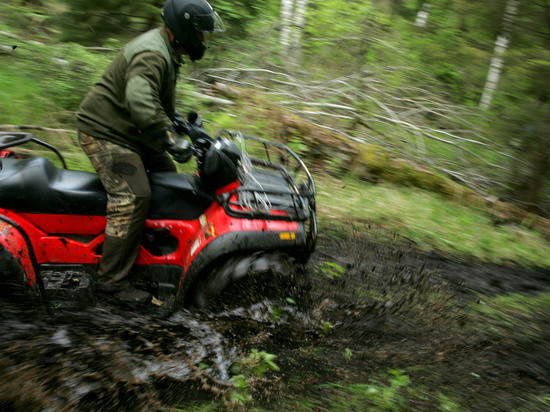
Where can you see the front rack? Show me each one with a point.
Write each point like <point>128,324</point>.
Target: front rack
<point>276,184</point>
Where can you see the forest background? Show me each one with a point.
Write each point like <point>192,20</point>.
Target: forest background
<point>447,95</point>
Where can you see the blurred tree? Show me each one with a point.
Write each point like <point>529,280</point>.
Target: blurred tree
<point>423,15</point>
<point>293,17</point>
<point>501,45</point>
<point>92,22</point>
<point>522,103</point>
<point>338,34</point>
<point>240,15</point>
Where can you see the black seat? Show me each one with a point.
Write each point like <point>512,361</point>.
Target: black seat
<point>35,185</point>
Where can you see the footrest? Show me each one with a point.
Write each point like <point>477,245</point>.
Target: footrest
<point>68,284</point>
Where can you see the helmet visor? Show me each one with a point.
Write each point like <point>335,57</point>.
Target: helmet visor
<point>210,22</point>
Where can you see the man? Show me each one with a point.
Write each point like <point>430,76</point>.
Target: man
<point>126,127</point>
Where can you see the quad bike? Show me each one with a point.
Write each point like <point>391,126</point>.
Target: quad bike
<point>248,208</point>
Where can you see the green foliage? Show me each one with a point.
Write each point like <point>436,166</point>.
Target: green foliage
<point>390,396</point>
<point>241,16</point>
<point>330,269</point>
<point>326,327</point>
<point>256,364</point>
<point>32,19</point>
<point>536,403</point>
<point>348,26</point>
<point>347,354</point>
<point>296,144</point>
<point>93,22</point>
<point>515,318</point>
<point>186,99</point>
<point>17,90</point>
<point>523,107</point>
<point>64,75</point>
<point>247,371</point>
<point>275,314</point>
<point>43,83</point>
<point>447,404</point>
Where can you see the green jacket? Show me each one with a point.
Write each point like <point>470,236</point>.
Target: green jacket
<point>135,98</point>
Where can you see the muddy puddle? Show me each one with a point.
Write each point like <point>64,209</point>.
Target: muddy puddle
<point>376,308</point>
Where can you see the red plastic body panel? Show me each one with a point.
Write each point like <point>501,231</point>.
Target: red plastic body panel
<point>215,223</point>
<point>8,153</point>
<point>71,239</point>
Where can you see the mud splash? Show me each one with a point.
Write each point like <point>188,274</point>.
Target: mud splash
<point>375,303</point>
<point>106,358</point>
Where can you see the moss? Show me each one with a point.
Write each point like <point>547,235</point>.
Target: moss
<point>455,191</point>
<point>400,172</point>
<point>370,162</point>
<point>300,127</point>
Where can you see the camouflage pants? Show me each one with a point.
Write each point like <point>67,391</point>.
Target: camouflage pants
<point>123,174</point>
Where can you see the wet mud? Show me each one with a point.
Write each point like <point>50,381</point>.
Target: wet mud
<point>372,307</point>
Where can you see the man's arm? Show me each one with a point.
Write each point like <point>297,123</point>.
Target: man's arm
<point>144,79</point>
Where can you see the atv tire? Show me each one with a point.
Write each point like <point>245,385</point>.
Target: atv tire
<point>244,280</point>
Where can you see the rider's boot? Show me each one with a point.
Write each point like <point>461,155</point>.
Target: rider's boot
<point>117,259</point>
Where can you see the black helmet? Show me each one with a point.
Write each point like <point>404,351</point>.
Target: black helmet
<point>185,19</point>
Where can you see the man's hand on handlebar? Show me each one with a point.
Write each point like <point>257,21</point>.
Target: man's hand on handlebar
<point>181,150</point>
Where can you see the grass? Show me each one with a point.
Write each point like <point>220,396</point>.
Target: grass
<point>21,98</point>
<point>430,220</point>
<point>514,318</point>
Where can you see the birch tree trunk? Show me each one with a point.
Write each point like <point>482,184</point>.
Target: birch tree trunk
<point>299,25</point>
<point>286,25</point>
<point>501,45</point>
<point>423,15</point>
<point>293,17</point>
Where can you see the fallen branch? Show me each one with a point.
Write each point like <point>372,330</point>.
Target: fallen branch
<point>5,33</point>
<point>100,49</point>
<point>314,104</point>
<point>338,116</point>
<point>213,100</point>
<point>11,127</point>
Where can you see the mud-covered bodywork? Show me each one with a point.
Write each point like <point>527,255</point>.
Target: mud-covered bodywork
<point>51,217</point>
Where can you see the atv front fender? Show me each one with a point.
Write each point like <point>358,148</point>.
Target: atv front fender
<point>238,243</point>
<point>16,263</point>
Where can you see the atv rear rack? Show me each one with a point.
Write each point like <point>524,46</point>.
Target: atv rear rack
<point>12,139</point>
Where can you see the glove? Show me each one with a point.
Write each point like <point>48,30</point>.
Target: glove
<point>181,150</point>
<point>181,126</point>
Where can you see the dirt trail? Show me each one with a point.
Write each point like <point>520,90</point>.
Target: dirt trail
<point>376,305</point>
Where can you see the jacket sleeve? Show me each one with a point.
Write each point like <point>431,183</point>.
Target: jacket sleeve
<point>144,80</point>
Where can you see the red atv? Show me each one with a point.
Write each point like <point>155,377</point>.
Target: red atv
<point>250,207</point>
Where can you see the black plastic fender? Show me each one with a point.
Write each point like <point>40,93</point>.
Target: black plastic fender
<point>18,268</point>
<point>234,243</point>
